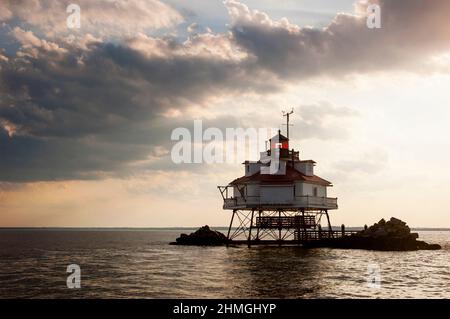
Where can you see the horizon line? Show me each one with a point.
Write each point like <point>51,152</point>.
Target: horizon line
<point>166,227</point>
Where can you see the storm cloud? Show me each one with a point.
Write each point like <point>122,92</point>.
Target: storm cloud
<point>411,33</point>
<point>92,105</point>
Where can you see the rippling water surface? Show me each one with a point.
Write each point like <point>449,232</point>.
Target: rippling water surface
<point>141,264</point>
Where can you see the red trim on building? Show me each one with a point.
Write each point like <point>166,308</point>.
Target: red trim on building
<point>292,175</point>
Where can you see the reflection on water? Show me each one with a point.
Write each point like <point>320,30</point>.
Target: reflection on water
<point>141,264</point>
<point>272,272</point>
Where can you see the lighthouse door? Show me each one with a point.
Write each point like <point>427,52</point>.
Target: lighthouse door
<point>277,194</point>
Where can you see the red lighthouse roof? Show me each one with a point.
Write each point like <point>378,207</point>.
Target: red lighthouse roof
<point>291,176</point>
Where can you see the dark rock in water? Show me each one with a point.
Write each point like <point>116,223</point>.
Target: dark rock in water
<point>425,246</point>
<point>204,236</point>
<point>391,235</point>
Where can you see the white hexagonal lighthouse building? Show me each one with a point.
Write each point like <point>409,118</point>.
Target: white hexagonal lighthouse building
<point>279,199</point>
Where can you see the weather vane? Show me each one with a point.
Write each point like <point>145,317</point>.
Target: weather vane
<point>285,113</point>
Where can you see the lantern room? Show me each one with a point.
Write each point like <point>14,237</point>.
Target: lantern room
<point>279,141</point>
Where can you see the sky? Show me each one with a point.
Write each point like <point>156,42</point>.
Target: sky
<point>86,114</point>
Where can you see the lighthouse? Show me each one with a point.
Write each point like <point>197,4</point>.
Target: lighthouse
<point>279,199</point>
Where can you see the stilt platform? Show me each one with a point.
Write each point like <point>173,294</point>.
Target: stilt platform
<point>299,239</point>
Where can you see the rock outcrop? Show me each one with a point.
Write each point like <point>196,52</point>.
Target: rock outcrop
<point>391,235</point>
<point>204,236</point>
<point>384,235</point>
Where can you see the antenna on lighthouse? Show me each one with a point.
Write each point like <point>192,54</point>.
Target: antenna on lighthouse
<point>285,113</point>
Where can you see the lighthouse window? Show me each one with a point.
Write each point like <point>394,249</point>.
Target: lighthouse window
<point>315,191</point>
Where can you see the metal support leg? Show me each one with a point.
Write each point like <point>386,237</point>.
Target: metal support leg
<point>250,229</point>
<point>305,234</point>
<point>257,229</point>
<point>279,227</point>
<point>231,224</point>
<point>330,229</point>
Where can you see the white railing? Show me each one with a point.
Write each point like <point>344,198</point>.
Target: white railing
<point>309,201</point>
<point>297,201</point>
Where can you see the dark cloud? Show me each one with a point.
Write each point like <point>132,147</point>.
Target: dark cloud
<point>105,88</point>
<point>26,158</point>
<point>91,108</point>
<point>75,117</point>
<point>411,32</point>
